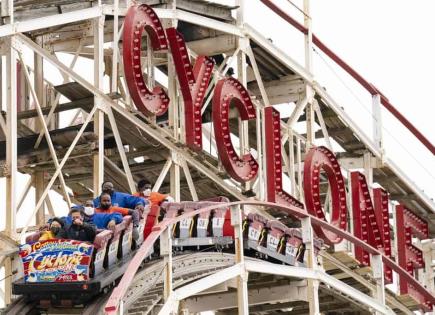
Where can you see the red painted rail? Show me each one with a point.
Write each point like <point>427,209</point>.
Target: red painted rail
<point>119,292</point>
<point>367,85</point>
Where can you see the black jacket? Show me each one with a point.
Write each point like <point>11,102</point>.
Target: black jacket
<point>85,232</point>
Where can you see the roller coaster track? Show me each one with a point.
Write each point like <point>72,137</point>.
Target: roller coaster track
<point>139,287</point>
<point>145,295</point>
<point>125,284</point>
<point>147,283</point>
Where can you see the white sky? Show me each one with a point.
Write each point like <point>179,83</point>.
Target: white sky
<point>391,44</point>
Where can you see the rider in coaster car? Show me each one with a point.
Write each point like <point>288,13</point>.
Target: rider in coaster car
<point>100,220</point>
<point>78,229</point>
<point>120,199</point>
<point>153,197</point>
<point>107,208</point>
<point>55,226</point>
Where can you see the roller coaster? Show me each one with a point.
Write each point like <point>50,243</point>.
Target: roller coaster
<point>266,218</point>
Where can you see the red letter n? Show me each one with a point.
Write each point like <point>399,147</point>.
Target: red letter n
<point>371,223</point>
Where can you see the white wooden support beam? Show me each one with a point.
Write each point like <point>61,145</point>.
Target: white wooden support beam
<point>257,74</point>
<point>378,274</point>
<point>261,180</point>
<point>108,162</point>
<point>243,43</point>
<point>38,80</point>
<point>8,280</point>
<point>172,89</point>
<point>310,123</point>
<point>175,178</point>
<point>150,65</point>
<point>162,174</point>
<point>278,54</point>
<point>174,115</point>
<point>322,124</point>
<point>349,200</point>
<point>114,75</point>
<point>260,121</point>
<point>10,10</point>
<point>189,180</point>
<point>11,139</point>
<point>218,74</point>
<point>313,285</point>
<point>75,117</point>
<point>377,122</point>
<point>2,292</point>
<point>297,112</point>
<point>308,37</point>
<point>368,169</point>
<point>291,168</point>
<point>49,205</point>
<point>2,120</point>
<point>299,163</point>
<point>58,95</point>
<point>38,179</point>
<point>199,286</point>
<point>98,158</point>
<point>208,282</point>
<point>173,105</point>
<point>166,253</point>
<point>121,151</point>
<point>285,160</point>
<point>58,170</point>
<point>47,137</point>
<point>4,7</point>
<point>428,268</point>
<point>259,296</point>
<point>49,21</point>
<point>24,192</point>
<point>389,298</point>
<point>242,279</point>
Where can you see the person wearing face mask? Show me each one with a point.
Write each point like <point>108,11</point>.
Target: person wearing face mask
<point>100,220</point>
<point>106,207</point>
<point>153,197</point>
<point>120,199</point>
<point>78,230</point>
<point>56,225</point>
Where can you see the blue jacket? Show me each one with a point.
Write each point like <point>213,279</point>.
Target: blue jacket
<point>123,200</point>
<point>100,220</point>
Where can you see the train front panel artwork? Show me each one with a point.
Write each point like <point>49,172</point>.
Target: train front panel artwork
<point>56,260</point>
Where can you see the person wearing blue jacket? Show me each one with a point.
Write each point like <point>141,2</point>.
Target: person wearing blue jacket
<point>120,199</point>
<point>99,220</point>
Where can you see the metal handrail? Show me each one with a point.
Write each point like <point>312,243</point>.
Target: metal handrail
<point>353,73</point>
<point>119,292</point>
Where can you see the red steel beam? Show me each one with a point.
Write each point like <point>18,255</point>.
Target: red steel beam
<point>126,280</point>
<point>352,72</point>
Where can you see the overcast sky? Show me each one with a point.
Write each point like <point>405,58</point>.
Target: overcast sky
<point>388,42</point>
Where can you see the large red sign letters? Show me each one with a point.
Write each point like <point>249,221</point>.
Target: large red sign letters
<point>371,223</point>
<point>371,219</point>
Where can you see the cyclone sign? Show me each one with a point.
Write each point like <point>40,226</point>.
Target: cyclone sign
<point>370,214</point>
<point>56,261</point>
